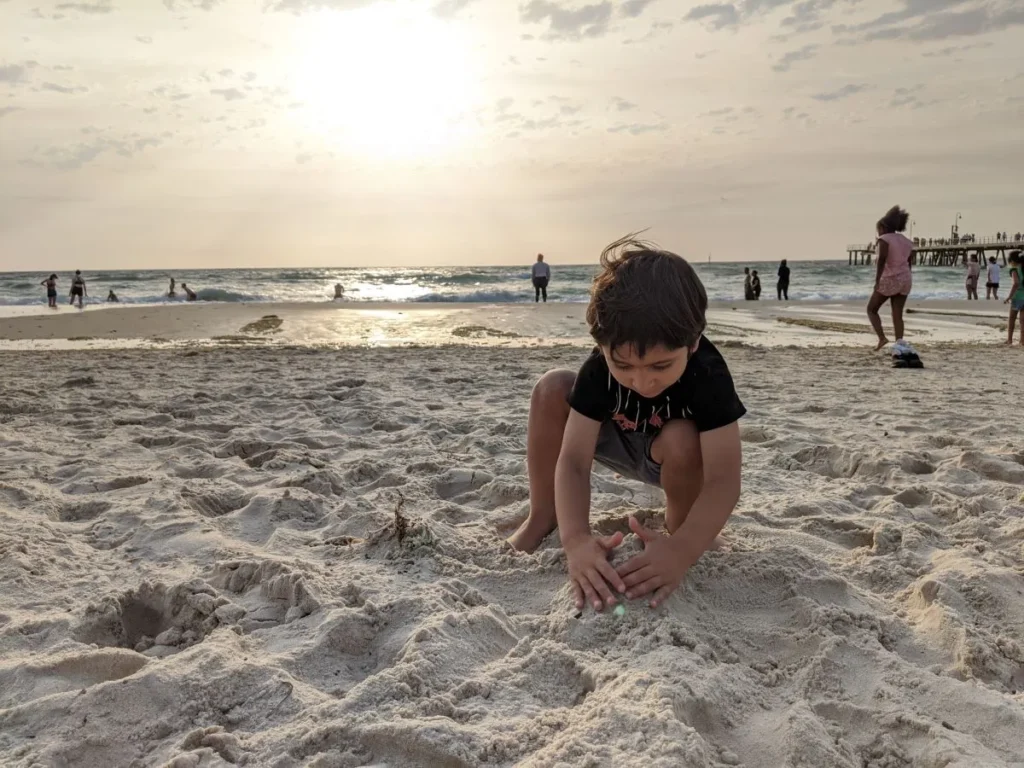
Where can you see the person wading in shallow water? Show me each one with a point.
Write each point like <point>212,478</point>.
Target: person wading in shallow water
<point>541,276</point>
<point>783,284</point>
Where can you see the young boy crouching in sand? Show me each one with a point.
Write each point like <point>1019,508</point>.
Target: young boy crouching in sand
<point>654,402</point>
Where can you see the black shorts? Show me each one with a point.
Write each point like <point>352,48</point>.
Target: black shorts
<point>76,291</point>
<point>540,282</point>
<point>991,285</point>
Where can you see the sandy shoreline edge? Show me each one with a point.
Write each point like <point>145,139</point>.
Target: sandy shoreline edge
<point>758,323</point>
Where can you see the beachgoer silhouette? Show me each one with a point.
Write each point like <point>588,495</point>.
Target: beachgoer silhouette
<point>339,291</point>
<point>112,297</point>
<point>170,291</point>
<point>748,285</point>
<point>755,283</point>
<point>51,291</point>
<point>190,295</point>
<point>783,285</point>
<point>78,289</point>
<point>541,276</point>
<point>973,273</point>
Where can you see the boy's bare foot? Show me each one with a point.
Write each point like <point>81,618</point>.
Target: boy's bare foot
<point>721,544</point>
<point>528,536</point>
<point>881,343</point>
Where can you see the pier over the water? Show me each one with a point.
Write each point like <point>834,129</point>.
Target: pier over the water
<point>946,252</point>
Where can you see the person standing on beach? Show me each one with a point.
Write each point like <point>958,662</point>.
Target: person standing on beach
<point>748,285</point>
<point>541,276</point>
<point>973,274</point>
<point>51,291</point>
<point>655,402</point>
<point>992,284</point>
<point>755,284</point>
<point>1016,297</point>
<point>78,289</point>
<point>893,277</point>
<point>783,285</point>
<point>170,291</point>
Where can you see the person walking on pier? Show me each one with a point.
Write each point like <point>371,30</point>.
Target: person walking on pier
<point>992,284</point>
<point>1016,297</point>
<point>893,277</point>
<point>783,285</point>
<point>973,274</point>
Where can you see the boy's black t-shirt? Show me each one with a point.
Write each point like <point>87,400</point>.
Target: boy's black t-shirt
<point>704,393</point>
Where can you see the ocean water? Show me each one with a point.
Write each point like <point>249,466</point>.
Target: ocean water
<point>810,281</point>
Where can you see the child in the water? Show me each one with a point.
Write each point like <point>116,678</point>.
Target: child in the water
<point>51,291</point>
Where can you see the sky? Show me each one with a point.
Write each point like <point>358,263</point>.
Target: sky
<point>230,133</point>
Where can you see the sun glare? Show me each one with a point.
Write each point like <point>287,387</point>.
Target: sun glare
<point>387,80</point>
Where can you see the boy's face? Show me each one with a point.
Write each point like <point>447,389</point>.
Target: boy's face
<point>651,374</point>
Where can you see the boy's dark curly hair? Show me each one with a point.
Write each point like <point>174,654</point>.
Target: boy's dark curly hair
<point>644,296</point>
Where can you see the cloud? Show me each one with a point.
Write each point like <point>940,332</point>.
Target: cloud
<point>621,105</point>
<point>229,94</point>
<point>8,110</point>
<point>845,92</point>
<point>718,15</point>
<point>299,6</point>
<point>631,9</point>
<point>206,5</point>
<point>100,6</point>
<point>927,20</point>
<point>568,24</point>
<point>64,88</point>
<point>12,73</point>
<point>635,129</point>
<point>144,39</point>
<point>74,156</point>
<point>789,59</point>
<point>449,9</point>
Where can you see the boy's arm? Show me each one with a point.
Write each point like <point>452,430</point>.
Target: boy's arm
<point>590,573</point>
<point>722,455</point>
<point>572,476</point>
<point>663,564</point>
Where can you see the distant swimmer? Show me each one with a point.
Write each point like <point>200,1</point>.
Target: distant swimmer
<point>541,276</point>
<point>171,292</point>
<point>78,289</point>
<point>339,291</point>
<point>112,297</point>
<point>51,291</point>
<point>190,295</point>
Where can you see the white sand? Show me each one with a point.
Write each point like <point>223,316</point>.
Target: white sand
<point>199,567</point>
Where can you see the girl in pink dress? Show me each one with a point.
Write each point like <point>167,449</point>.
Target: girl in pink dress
<point>892,273</point>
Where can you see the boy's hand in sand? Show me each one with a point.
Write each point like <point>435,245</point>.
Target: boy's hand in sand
<point>659,568</point>
<point>590,573</point>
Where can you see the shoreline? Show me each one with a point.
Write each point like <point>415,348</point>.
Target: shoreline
<point>767,324</point>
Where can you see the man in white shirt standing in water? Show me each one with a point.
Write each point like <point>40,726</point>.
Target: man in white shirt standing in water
<point>992,286</point>
<point>541,276</point>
